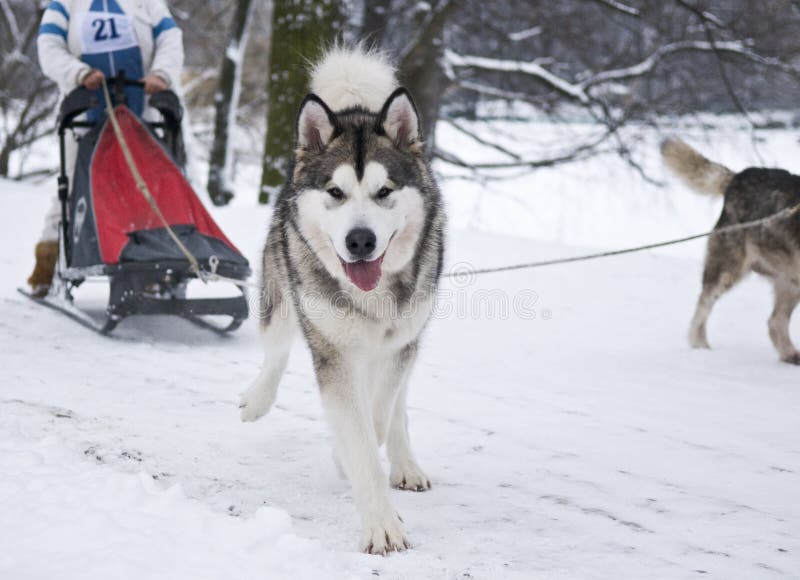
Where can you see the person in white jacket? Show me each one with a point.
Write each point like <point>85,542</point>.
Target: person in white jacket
<point>81,42</point>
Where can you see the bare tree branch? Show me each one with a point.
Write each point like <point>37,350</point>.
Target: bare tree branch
<point>524,34</point>
<point>11,20</point>
<point>566,88</point>
<point>478,139</point>
<point>580,152</point>
<point>704,15</point>
<point>496,92</point>
<point>733,48</point>
<point>618,6</point>
<point>578,90</point>
<point>705,18</point>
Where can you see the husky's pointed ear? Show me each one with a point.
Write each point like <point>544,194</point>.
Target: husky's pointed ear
<point>316,124</point>
<point>399,119</point>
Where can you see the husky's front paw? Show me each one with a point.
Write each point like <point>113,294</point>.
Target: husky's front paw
<point>385,534</point>
<point>409,477</point>
<point>255,403</point>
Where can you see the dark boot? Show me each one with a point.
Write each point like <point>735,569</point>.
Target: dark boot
<point>42,277</point>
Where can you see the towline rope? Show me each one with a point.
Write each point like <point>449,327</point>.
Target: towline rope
<point>207,276</point>
<point>785,213</point>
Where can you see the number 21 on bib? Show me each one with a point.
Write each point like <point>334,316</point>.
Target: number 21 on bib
<point>107,32</point>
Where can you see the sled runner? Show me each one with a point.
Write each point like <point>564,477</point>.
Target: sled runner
<point>110,229</point>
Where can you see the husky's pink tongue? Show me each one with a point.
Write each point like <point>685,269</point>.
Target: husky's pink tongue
<point>363,274</point>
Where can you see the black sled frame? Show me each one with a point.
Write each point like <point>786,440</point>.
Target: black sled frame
<point>136,288</point>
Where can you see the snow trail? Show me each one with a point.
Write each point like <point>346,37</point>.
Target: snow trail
<point>567,428</point>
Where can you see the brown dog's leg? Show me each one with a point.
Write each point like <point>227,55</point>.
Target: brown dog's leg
<point>787,295</point>
<point>725,266</point>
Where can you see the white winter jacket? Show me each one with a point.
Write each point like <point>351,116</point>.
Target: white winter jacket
<point>67,24</point>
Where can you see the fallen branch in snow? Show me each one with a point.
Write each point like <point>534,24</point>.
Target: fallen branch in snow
<point>36,174</point>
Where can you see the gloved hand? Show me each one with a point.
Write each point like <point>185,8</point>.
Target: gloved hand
<point>93,79</point>
<point>154,84</point>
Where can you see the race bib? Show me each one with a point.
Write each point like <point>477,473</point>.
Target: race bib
<point>107,32</point>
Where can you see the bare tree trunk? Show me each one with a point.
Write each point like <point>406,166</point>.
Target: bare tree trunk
<point>227,102</point>
<point>300,30</point>
<point>421,68</point>
<point>376,19</point>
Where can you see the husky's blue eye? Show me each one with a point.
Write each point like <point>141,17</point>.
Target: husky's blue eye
<point>336,193</point>
<point>383,192</point>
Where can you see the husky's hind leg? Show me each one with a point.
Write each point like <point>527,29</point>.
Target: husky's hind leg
<point>725,266</point>
<point>277,335</point>
<point>787,295</point>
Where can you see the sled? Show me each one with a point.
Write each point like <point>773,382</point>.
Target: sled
<point>110,230</point>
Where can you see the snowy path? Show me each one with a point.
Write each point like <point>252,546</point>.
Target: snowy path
<point>589,442</point>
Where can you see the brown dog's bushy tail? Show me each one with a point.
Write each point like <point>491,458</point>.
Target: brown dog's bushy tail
<point>697,172</point>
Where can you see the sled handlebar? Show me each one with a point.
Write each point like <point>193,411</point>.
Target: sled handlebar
<point>126,82</point>
<point>82,99</point>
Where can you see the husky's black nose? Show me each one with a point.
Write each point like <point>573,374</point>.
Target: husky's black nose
<point>360,242</point>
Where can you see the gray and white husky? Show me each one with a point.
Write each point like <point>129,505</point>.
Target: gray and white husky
<point>352,259</point>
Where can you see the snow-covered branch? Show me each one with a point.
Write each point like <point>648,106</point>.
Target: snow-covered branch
<point>619,7</point>
<point>579,91</point>
<point>648,64</point>
<point>733,48</point>
<point>703,14</point>
<point>195,82</point>
<point>524,34</point>
<point>574,91</point>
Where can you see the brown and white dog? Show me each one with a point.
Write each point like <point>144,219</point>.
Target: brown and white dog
<point>772,250</point>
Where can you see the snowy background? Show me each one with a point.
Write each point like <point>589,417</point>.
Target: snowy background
<point>578,437</point>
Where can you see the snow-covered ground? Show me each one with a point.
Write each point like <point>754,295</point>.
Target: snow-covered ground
<point>568,429</point>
